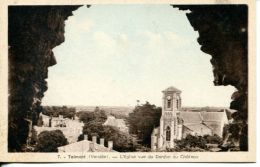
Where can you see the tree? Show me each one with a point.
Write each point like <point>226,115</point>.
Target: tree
<point>122,142</point>
<point>215,139</point>
<point>196,143</point>
<point>97,115</point>
<point>85,116</point>
<point>143,120</point>
<point>49,141</point>
<point>190,143</point>
<point>94,121</point>
<point>55,111</point>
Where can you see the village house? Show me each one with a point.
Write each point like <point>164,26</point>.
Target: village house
<point>118,123</point>
<point>176,124</point>
<point>70,128</point>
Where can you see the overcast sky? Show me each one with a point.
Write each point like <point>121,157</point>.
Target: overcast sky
<point>116,54</point>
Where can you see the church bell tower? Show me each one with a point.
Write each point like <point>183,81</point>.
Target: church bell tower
<point>171,99</point>
<point>171,104</point>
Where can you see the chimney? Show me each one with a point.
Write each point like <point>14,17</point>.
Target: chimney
<point>94,139</point>
<point>110,145</point>
<point>85,137</point>
<point>91,146</point>
<point>102,141</point>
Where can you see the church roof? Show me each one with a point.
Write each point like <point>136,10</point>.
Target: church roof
<point>191,117</point>
<point>202,121</point>
<point>199,128</point>
<point>214,116</point>
<point>172,89</point>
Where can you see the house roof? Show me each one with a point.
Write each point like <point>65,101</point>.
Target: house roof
<point>112,121</point>
<point>84,146</point>
<point>120,122</point>
<point>171,89</point>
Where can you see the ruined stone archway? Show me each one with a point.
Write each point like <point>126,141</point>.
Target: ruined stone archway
<point>222,34</point>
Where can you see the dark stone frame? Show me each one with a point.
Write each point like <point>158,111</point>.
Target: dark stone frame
<point>33,31</point>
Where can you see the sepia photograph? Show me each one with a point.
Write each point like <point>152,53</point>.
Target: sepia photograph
<point>167,81</point>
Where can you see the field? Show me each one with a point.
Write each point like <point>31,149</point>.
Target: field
<point>117,111</point>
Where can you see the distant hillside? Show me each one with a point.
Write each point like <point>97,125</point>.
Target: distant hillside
<point>208,109</point>
<point>117,111</point>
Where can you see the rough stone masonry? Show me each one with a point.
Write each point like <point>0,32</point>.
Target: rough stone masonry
<point>223,33</point>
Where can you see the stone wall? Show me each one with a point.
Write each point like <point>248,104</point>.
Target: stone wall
<point>223,33</point>
<point>33,32</point>
<point>70,133</point>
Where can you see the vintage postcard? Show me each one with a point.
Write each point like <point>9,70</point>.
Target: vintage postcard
<point>127,81</point>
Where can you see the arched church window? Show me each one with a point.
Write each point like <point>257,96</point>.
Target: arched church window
<point>168,133</point>
<point>169,101</point>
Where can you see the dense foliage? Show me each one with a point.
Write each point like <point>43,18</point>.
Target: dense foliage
<point>143,120</point>
<point>49,141</point>
<point>231,134</point>
<point>94,121</point>
<point>97,115</point>
<point>55,111</point>
<point>215,139</point>
<point>192,142</point>
<point>197,143</point>
<point>122,142</point>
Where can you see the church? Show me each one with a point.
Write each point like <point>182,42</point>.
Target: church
<point>176,124</point>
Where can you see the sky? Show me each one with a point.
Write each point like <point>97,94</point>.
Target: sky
<point>114,55</point>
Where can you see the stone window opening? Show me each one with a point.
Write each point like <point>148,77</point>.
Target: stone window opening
<point>168,133</point>
<point>169,103</point>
